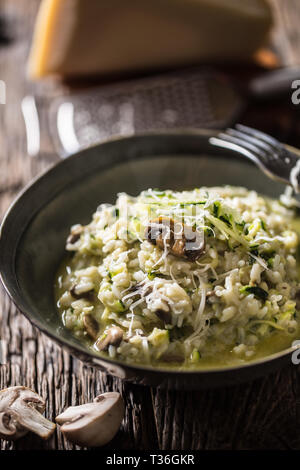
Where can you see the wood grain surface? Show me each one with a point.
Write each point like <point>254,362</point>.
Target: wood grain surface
<point>264,414</point>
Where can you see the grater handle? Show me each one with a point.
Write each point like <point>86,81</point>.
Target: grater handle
<point>274,84</point>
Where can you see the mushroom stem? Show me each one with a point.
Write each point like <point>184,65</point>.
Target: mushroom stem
<point>32,420</point>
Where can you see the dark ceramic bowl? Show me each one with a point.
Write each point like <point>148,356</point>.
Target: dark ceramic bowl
<point>33,233</point>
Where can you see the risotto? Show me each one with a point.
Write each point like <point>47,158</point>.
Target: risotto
<point>183,279</point>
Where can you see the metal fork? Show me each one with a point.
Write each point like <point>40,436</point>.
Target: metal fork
<point>275,159</point>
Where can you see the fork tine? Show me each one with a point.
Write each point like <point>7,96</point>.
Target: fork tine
<point>268,149</point>
<point>275,159</point>
<point>242,143</point>
<point>259,134</point>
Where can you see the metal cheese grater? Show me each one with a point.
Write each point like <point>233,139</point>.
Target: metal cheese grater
<point>194,98</point>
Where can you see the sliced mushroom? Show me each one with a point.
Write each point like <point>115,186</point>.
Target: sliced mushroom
<point>112,337</point>
<point>144,290</point>
<point>82,292</point>
<point>93,424</point>
<point>20,412</point>
<point>182,240</point>
<point>91,326</point>
<point>209,293</point>
<point>74,236</point>
<point>140,289</point>
<point>164,315</point>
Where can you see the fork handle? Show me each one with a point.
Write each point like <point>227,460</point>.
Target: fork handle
<point>273,84</point>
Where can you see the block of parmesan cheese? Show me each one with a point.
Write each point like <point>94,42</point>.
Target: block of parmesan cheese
<point>86,37</point>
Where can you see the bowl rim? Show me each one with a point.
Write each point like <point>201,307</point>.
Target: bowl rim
<point>94,358</point>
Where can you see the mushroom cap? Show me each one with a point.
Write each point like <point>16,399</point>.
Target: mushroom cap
<point>20,412</point>
<point>113,336</point>
<point>93,424</point>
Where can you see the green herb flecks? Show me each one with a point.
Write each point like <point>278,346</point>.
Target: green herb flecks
<point>258,292</point>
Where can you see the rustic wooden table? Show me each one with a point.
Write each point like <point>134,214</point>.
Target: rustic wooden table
<point>260,415</point>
